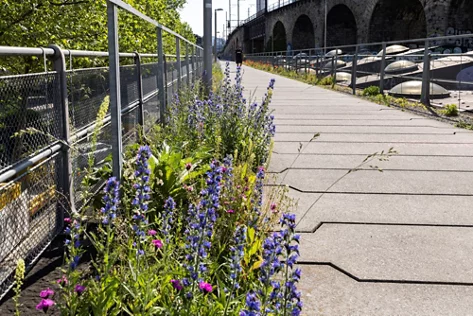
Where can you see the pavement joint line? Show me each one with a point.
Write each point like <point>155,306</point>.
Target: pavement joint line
<point>367,193</point>
<point>367,169</point>
<point>339,119</point>
<point>353,142</point>
<point>364,155</point>
<point>352,276</point>
<point>372,133</point>
<point>366,125</point>
<point>312,231</point>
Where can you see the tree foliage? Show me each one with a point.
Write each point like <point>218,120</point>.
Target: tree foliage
<point>82,24</point>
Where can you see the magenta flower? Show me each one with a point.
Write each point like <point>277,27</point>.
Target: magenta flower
<point>273,207</point>
<point>152,232</point>
<point>46,293</point>
<point>67,220</point>
<point>230,211</point>
<point>62,281</point>
<point>158,243</point>
<point>205,287</point>
<point>44,305</point>
<point>176,284</point>
<point>79,289</point>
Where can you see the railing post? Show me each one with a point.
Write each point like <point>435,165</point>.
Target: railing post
<point>425,97</point>
<point>178,63</point>
<point>139,81</point>
<point>115,97</point>
<point>335,67</point>
<point>353,70</point>
<point>193,64</point>
<point>381,72</point>
<point>160,77</point>
<point>187,65</point>
<point>65,176</point>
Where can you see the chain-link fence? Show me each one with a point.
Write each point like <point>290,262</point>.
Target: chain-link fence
<point>57,124</point>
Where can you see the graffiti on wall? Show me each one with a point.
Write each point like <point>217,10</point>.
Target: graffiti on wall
<point>461,42</point>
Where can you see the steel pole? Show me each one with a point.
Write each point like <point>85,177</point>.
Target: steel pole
<point>115,99</point>
<point>207,73</point>
<point>160,78</point>
<point>381,72</point>
<point>215,35</point>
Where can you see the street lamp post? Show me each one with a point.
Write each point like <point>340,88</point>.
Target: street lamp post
<point>207,74</point>
<point>215,30</point>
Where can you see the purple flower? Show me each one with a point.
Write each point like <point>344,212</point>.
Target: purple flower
<point>253,305</point>
<point>111,200</point>
<point>79,289</point>
<point>167,217</point>
<point>176,284</point>
<point>230,211</point>
<point>152,232</point>
<point>44,305</point>
<point>46,293</point>
<point>205,287</point>
<point>157,243</point>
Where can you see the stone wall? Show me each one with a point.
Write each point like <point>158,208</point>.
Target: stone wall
<point>372,20</point>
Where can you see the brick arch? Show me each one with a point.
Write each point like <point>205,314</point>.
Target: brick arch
<point>303,33</point>
<point>341,26</point>
<point>397,19</point>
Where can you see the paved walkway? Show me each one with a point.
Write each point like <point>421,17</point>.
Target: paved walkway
<point>397,242</point>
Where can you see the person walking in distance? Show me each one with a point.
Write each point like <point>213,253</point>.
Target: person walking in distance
<point>239,56</point>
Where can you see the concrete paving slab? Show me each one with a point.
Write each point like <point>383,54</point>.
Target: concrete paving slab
<point>401,253</point>
<point>282,121</point>
<point>375,182</point>
<point>366,129</point>
<point>384,138</point>
<point>367,148</point>
<point>387,209</point>
<point>395,162</point>
<point>328,292</point>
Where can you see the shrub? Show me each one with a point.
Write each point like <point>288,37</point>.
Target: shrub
<point>450,110</point>
<point>326,81</point>
<point>371,91</point>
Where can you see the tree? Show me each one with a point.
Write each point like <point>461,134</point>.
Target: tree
<point>82,24</point>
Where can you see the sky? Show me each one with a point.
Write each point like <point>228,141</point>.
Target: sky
<point>193,13</point>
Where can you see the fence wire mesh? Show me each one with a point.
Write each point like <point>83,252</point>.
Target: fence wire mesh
<point>27,104</point>
<point>31,121</point>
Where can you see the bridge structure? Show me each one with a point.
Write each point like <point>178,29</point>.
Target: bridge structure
<point>302,24</point>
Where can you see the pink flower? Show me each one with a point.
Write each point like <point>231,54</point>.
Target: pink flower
<point>158,243</point>
<point>176,284</point>
<point>205,287</point>
<point>46,293</point>
<point>44,305</point>
<point>273,208</point>
<point>230,211</point>
<point>152,232</point>
<point>79,289</point>
<point>62,281</point>
<point>67,220</point>
<point>188,166</point>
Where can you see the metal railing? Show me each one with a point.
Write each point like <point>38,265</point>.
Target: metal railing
<point>361,65</point>
<point>48,120</point>
<point>280,4</point>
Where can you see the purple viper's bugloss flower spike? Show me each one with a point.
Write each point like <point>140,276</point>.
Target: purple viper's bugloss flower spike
<point>111,200</point>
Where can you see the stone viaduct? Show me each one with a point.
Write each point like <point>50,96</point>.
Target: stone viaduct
<point>301,23</point>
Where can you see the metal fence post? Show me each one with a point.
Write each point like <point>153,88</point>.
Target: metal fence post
<point>425,97</point>
<point>335,67</point>
<point>353,70</point>
<point>193,64</point>
<point>139,81</point>
<point>187,65</point>
<point>115,97</point>
<point>160,76</point>
<point>178,63</point>
<point>65,177</point>
<point>381,72</point>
